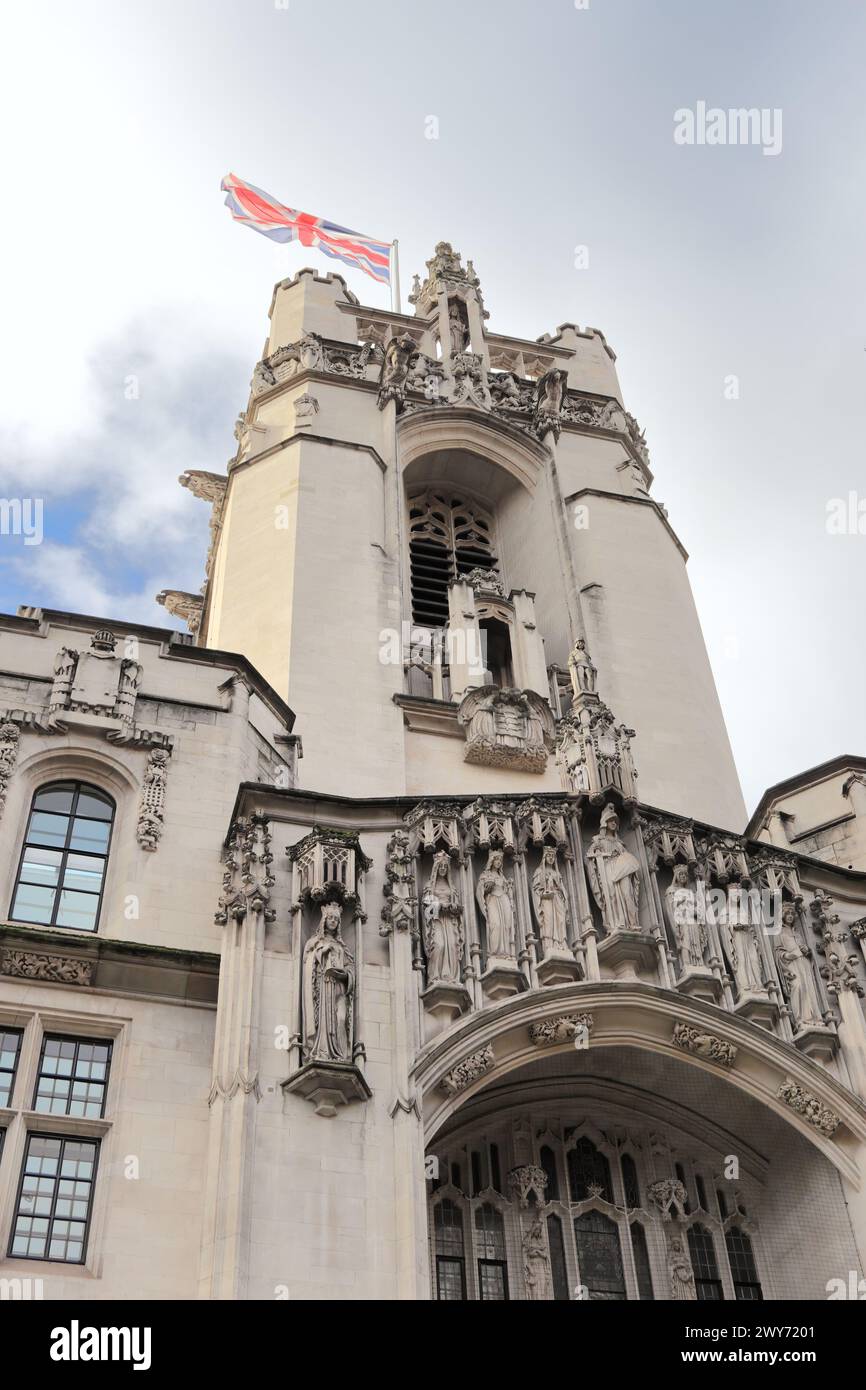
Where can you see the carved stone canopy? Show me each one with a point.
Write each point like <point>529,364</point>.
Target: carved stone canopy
<point>329,864</point>
<point>507,728</point>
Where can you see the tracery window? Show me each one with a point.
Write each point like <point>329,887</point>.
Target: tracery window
<point>642,1270</point>
<point>630,1184</point>
<point>599,1256</point>
<point>588,1172</point>
<point>548,1162</point>
<point>62,870</point>
<point>492,1261</point>
<point>558,1267</point>
<point>747,1285</point>
<point>448,536</point>
<point>450,1259</point>
<point>708,1285</point>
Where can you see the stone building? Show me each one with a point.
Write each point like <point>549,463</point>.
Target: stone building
<point>446,1001</point>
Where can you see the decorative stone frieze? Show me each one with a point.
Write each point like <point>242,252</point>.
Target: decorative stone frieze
<point>9,742</point>
<point>527,1181</point>
<point>707,1045</point>
<point>562,1028</point>
<point>810,1107</point>
<point>33,965</point>
<point>468,1071</point>
<point>151,806</point>
<point>507,728</point>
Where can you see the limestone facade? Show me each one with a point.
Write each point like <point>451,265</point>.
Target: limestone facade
<point>487,996</point>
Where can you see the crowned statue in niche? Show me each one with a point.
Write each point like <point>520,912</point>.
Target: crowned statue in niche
<point>443,924</point>
<point>795,969</point>
<point>495,894</point>
<point>614,876</point>
<point>329,987</point>
<point>551,904</point>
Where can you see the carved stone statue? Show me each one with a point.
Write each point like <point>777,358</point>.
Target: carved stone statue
<point>795,969</point>
<point>395,370</point>
<point>457,329</point>
<point>680,1271</point>
<point>506,728</point>
<point>583,674</point>
<point>614,876</point>
<point>443,924</point>
<point>549,398</point>
<point>742,946</point>
<point>495,894</point>
<point>690,933</point>
<point>551,904</point>
<point>536,1265</point>
<point>329,987</point>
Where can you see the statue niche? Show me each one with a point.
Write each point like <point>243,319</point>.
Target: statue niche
<point>507,728</point>
<point>329,989</point>
<point>614,876</point>
<point>443,924</point>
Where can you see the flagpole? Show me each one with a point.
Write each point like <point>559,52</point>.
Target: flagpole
<point>395,277</point>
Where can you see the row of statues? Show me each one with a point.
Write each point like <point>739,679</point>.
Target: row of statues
<point>690,912</point>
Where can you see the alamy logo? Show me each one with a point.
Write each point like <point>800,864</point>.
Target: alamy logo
<point>76,1343</point>
<point>739,126</point>
<point>22,516</point>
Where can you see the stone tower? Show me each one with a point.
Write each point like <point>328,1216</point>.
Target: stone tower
<point>388,467</point>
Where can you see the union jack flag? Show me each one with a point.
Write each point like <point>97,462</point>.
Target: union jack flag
<point>259,210</point>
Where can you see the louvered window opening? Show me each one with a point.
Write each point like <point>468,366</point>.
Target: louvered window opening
<point>448,537</point>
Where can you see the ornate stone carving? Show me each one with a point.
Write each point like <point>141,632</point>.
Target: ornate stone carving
<point>595,751</point>
<point>484,581</point>
<point>468,1071</point>
<point>614,876</point>
<point>32,965</point>
<point>436,823</point>
<point>329,991</point>
<point>306,355</point>
<point>549,397</point>
<point>180,604</point>
<point>741,943</point>
<point>542,817</point>
<point>9,740</point>
<point>707,1045</point>
<point>583,674</point>
<point>329,865</point>
<point>247,878</point>
<point>667,840</point>
<point>551,904</point>
<point>689,927</point>
<point>395,371</point>
<point>470,380</point>
<point>443,924</point>
<point>495,895</point>
<point>669,1195</point>
<point>95,683</point>
<point>563,1028</point>
<point>680,1274</point>
<point>506,728</point>
<point>399,910</point>
<point>151,806</point>
<point>810,1107</point>
<point>793,960</point>
<point>306,408</point>
<point>527,1181</point>
<point>536,1262</point>
<point>840,966</point>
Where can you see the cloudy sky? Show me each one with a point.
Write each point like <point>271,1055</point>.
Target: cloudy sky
<point>133,309</point>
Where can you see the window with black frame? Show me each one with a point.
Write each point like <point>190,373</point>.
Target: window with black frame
<point>708,1284</point>
<point>450,1260</point>
<point>54,1204</point>
<point>747,1285</point>
<point>73,1076</point>
<point>61,875</point>
<point>10,1051</point>
<point>492,1260</point>
<point>599,1257</point>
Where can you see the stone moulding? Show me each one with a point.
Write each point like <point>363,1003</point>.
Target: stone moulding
<point>810,1107</point>
<point>328,1085</point>
<point>706,1045</point>
<point>33,965</point>
<point>468,1071</point>
<point>563,1028</point>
